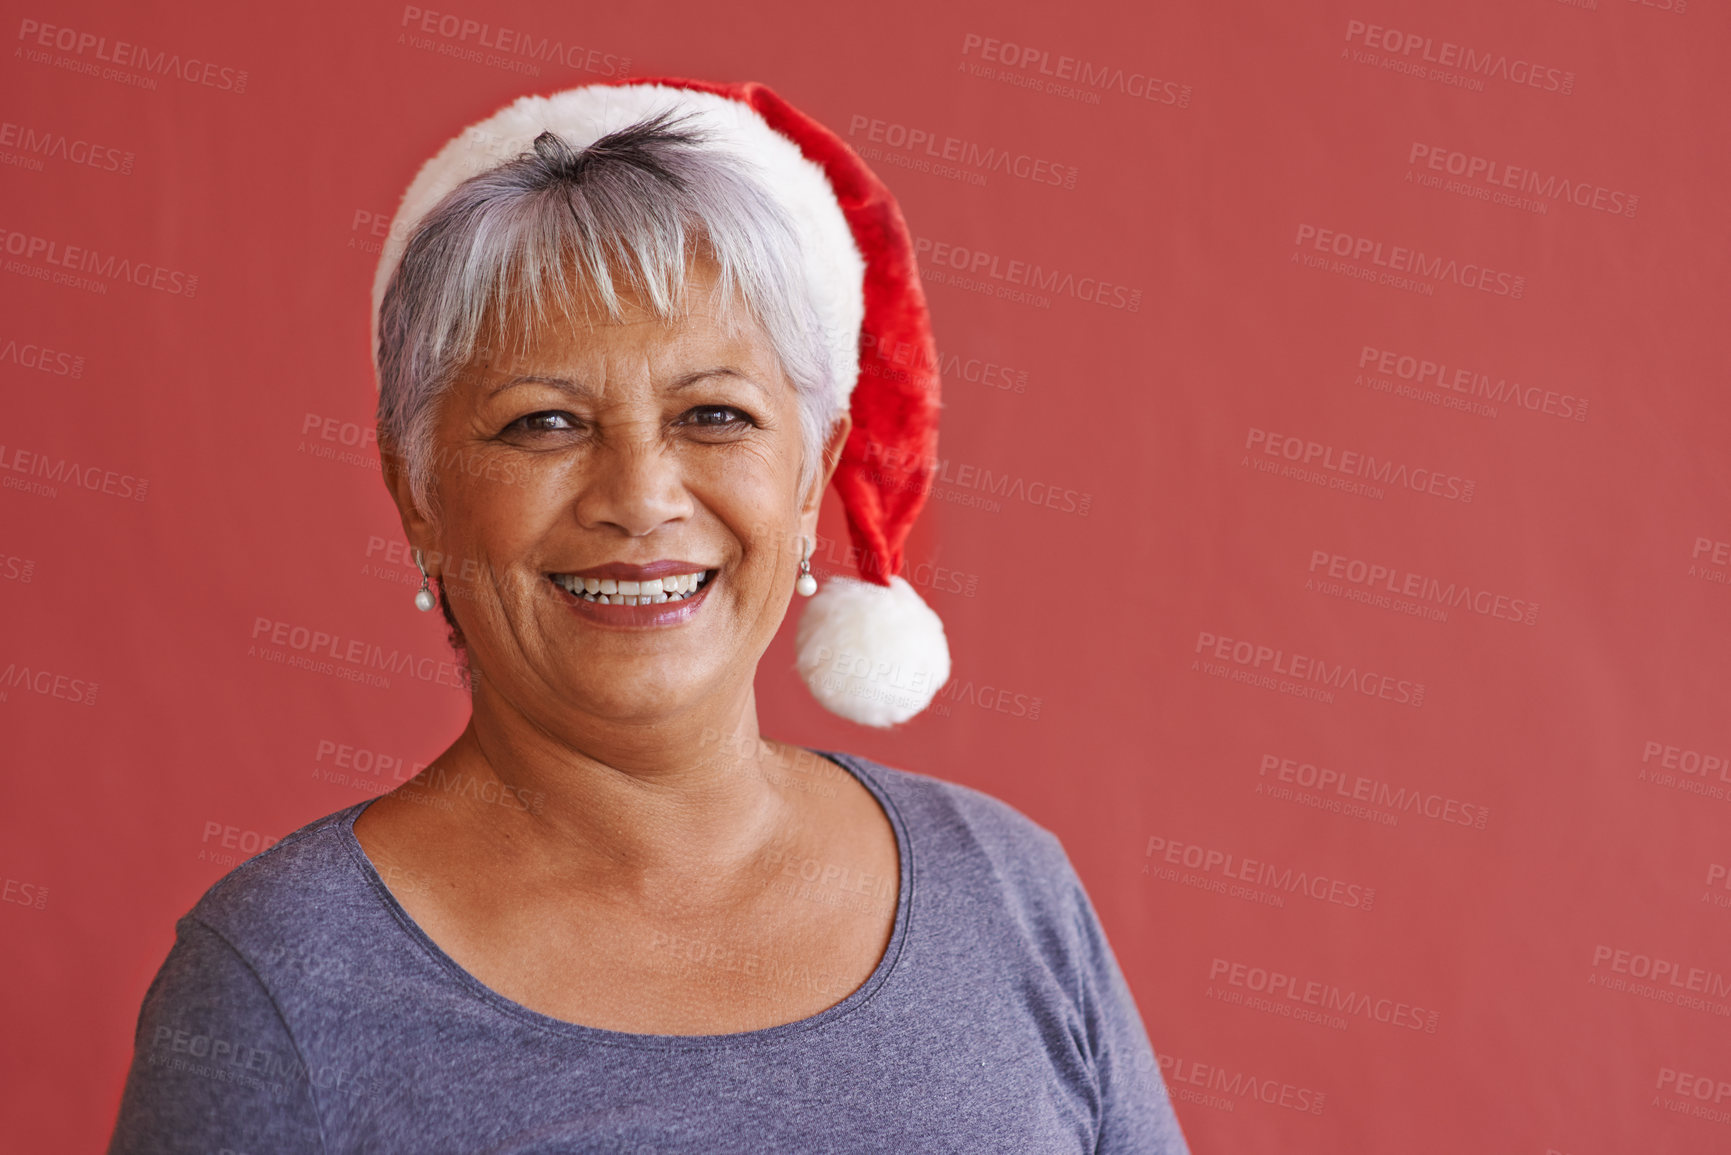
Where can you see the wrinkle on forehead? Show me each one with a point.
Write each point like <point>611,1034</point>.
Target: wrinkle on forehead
<point>712,338</point>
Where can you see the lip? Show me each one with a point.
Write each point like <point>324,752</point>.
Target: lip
<point>637,617</point>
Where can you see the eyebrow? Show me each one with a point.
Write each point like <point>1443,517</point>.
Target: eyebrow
<point>563,383</point>
<point>582,390</point>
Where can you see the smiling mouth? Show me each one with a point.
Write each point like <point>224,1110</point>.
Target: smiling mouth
<point>656,591</point>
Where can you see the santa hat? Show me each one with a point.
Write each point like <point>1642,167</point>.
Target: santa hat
<point>869,648</point>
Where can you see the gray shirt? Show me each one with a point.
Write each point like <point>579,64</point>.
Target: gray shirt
<point>301,1009</point>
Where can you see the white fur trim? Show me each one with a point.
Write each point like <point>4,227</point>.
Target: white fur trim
<point>834,269</point>
<point>873,654</point>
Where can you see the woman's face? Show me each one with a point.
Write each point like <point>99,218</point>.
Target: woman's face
<point>597,453</point>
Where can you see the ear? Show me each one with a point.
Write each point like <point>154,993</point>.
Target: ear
<point>418,527</point>
<point>813,501</point>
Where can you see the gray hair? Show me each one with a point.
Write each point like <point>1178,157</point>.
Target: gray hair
<point>558,226</point>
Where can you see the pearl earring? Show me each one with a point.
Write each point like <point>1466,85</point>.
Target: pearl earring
<point>806,585</point>
<point>424,599</point>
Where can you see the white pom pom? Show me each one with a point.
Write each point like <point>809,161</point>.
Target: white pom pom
<point>873,654</point>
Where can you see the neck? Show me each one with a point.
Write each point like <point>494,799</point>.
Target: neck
<point>681,795</point>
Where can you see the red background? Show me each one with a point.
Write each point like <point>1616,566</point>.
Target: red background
<point>1573,955</point>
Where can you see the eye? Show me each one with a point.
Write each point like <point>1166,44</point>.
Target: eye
<point>547,421</point>
<point>718,417</point>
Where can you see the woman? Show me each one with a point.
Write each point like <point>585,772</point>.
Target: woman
<point>618,371</point>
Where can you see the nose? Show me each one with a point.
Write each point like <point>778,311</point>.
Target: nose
<point>633,482</point>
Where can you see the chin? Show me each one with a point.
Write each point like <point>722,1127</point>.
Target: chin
<point>617,705</point>
<point>640,684</point>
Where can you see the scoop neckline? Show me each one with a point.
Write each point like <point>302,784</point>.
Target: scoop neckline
<point>607,1037</point>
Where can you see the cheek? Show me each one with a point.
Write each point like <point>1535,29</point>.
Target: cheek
<point>499,506</point>
<point>755,494</point>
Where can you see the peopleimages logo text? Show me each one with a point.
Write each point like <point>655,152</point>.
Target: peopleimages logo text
<point>1357,463</point>
<point>1089,74</point>
<point>65,471</point>
<point>1486,64</point>
<point>1329,996</point>
<point>34,142</point>
<point>463,31</point>
<point>979,263</point>
<point>78,258</point>
<point>1275,660</point>
<point>123,54</point>
<point>1402,259</point>
<point>1500,174</point>
<point>1258,872</point>
<point>971,154</point>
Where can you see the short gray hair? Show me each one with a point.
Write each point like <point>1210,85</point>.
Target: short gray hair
<point>559,225</point>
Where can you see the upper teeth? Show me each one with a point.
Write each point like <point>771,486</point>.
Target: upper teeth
<point>608,591</point>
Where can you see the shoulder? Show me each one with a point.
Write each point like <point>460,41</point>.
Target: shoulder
<point>932,800</point>
<point>966,833</point>
<point>298,890</point>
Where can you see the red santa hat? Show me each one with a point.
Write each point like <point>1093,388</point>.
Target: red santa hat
<point>870,649</point>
